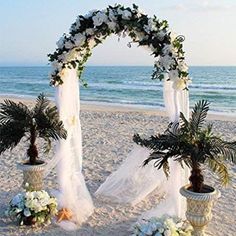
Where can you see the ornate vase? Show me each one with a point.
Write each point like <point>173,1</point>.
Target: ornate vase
<point>32,176</point>
<point>199,206</point>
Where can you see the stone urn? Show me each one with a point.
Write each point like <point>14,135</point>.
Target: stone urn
<point>32,176</point>
<point>199,207</point>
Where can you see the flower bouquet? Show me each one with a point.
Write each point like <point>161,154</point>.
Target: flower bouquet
<point>164,226</point>
<point>32,208</point>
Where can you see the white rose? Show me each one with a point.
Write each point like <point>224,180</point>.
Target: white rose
<point>89,31</point>
<point>79,39</point>
<point>151,26</point>
<point>60,43</point>
<point>112,25</point>
<point>126,15</point>
<point>161,35</point>
<point>183,66</point>
<point>112,16</point>
<point>173,75</point>
<point>56,65</point>
<point>99,19</point>
<point>69,44</point>
<point>166,61</point>
<point>140,35</point>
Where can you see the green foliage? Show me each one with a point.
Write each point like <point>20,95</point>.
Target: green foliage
<point>17,121</point>
<point>191,144</point>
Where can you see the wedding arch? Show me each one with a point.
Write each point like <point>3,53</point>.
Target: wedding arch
<point>73,51</point>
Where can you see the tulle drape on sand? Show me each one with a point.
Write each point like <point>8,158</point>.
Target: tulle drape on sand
<point>73,193</point>
<point>131,183</point>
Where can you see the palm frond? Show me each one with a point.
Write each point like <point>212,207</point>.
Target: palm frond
<point>220,169</point>
<point>199,115</point>
<point>49,125</point>
<point>11,111</point>
<point>11,132</point>
<point>225,149</point>
<point>41,104</point>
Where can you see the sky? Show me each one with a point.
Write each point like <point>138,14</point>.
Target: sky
<point>29,30</point>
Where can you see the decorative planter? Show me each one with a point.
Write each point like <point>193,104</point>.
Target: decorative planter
<point>199,206</point>
<point>32,176</point>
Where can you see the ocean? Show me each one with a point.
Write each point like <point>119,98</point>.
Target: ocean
<point>127,85</point>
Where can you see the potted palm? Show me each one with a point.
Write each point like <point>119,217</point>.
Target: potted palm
<point>41,121</point>
<point>192,144</point>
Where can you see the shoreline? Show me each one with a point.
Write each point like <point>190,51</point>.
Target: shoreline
<point>115,107</point>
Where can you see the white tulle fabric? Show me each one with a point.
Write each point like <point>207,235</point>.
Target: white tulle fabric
<point>131,183</point>
<point>73,193</point>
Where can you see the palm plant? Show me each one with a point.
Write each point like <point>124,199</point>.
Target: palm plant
<point>18,121</point>
<point>192,144</point>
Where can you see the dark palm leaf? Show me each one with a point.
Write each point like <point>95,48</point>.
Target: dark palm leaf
<point>49,125</point>
<point>191,144</point>
<point>41,104</point>
<point>10,134</point>
<point>11,111</point>
<point>199,115</point>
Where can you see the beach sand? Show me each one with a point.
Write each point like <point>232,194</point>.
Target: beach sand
<point>107,139</point>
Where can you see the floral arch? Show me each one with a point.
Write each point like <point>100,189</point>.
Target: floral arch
<point>68,62</point>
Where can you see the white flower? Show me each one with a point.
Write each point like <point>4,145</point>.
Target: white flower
<point>99,19</point>
<point>112,25</point>
<point>60,43</point>
<point>166,61</point>
<point>69,44</point>
<point>89,31</point>
<point>79,39</point>
<point>173,75</point>
<point>56,65</point>
<point>140,35</point>
<point>183,66</point>
<point>161,35</point>
<point>151,26</point>
<point>90,13</point>
<point>112,16</point>
<point>27,212</point>
<point>126,15</point>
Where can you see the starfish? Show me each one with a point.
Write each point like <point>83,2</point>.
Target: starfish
<point>64,214</point>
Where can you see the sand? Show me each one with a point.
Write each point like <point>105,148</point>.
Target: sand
<point>107,139</point>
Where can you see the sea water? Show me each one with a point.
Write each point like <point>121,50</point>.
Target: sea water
<point>126,85</point>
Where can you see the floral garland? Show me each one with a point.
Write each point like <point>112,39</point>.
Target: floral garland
<point>88,31</point>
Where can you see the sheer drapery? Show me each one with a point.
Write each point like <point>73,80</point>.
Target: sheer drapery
<point>131,182</point>
<point>176,101</point>
<point>73,193</point>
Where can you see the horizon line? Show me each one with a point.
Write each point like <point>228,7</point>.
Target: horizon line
<point>41,65</point>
